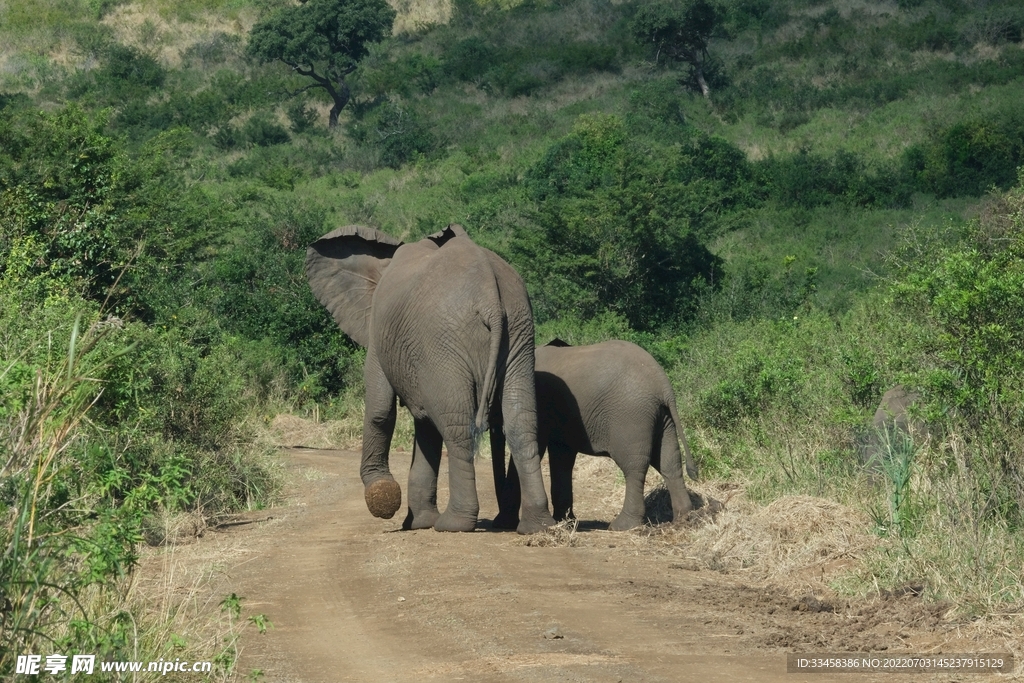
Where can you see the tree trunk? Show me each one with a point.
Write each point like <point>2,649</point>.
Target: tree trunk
<point>698,69</point>
<point>341,95</point>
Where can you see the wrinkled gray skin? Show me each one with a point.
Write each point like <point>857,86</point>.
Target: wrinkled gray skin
<point>448,329</point>
<point>610,399</point>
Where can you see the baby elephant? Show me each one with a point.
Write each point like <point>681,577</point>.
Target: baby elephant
<point>610,399</point>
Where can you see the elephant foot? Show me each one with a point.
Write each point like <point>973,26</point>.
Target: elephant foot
<point>383,498</point>
<point>535,523</point>
<point>506,520</point>
<point>625,522</point>
<point>424,519</point>
<point>450,522</point>
<point>561,515</point>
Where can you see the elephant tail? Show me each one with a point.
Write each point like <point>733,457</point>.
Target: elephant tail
<point>691,466</point>
<point>495,324</point>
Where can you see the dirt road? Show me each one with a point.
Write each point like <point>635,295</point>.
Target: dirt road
<point>351,598</point>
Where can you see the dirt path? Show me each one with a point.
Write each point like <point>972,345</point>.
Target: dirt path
<point>353,599</point>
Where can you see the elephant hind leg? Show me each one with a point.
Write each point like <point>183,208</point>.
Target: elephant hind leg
<point>426,460</point>
<point>561,460</point>
<point>506,486</point>
<point>633,509</point>
<point>667,460</point>
<point>463,504</point>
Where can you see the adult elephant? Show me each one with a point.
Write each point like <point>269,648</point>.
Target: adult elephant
<point>448,329</point>
<point>610,399</point>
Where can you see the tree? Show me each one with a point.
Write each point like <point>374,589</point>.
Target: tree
<point>618,227</point>
<point>323,40</point>
<point>681,31</point>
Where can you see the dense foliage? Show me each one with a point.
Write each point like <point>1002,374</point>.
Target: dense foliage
<point>322,40</point>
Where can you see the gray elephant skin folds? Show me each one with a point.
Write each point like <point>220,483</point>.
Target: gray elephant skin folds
<point>611,399</point>
<point>448,329</point>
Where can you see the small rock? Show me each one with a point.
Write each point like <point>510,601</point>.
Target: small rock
<point>401,599</point>
<point>553,633</point>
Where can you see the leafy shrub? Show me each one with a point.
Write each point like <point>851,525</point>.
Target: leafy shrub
<point>100,8</point>
<point>755,14</point>
<point>514,71</point>
<point>618,229</point>
<point>973,295</point>
<point>87,211</point>
<point>395,131</point>
<point>263,131</point>
<point>212,50</point>
<point>228,137</point>
<point>303,118</point>
<point>469,58</point>
<point>655,103</point>
<point>127,67</point>
<point>409,73</point>
<point>931,33</point>
<point>969,157</point>
<point>585,159</point>
<point>755,381</point>
<point>807,179</point>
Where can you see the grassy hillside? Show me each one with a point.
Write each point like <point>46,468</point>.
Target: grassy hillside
<point>841,214</point>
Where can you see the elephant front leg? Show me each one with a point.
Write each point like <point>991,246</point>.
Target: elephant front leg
<point>506,487</point>
<point>426,460</point>
<point>463,504</point>
<point>561,460</point>
<point>382,492</point>
<point>633,509</point>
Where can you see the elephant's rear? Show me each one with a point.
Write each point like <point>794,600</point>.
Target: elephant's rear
<point>646,376</point>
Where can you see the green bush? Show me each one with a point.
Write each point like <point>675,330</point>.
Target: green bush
<point>125,63</point>
<point>469,59</point>
<point>973,296</point>
<point>303,118</point>
<point>970,157</point>
<point>396,132</point>
<point>755,382</point>
<point>513,70</point>
<point>263,131</point>
<point>809,180</point>
<point>931,33</point>
<point>619,227</point>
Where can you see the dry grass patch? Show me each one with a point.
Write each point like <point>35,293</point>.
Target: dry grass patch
<point>346,432</point>
<point>794,540</point>
<point>415,15</point>
<point>561,535</point>
<point>168,37</point>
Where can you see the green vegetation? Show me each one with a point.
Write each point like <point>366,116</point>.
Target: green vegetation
<point>842,214</point>
<point>680,31</point>
<point>323,40</point>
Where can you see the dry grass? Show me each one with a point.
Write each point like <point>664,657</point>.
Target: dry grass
<point>561,535</point>
<point>292,431</point>
<point>178,589</point>
<point>795,539</point>
<point>168,37</point>
<point>415,15</point>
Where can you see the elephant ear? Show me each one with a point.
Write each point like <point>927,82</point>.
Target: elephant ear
<point>558,342</point>
<point>453,230</point>
<point>343,268</point>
